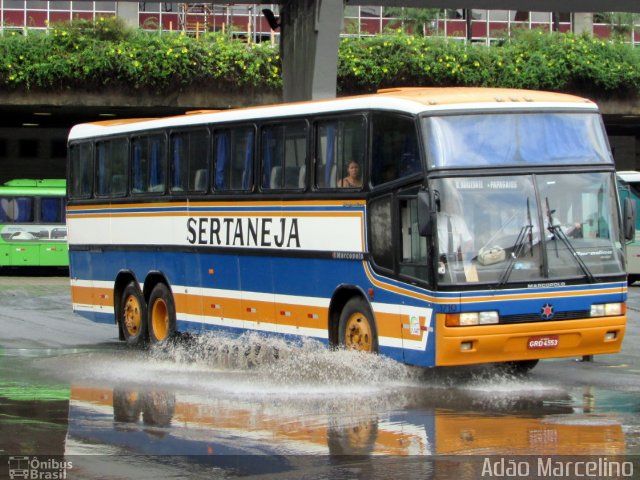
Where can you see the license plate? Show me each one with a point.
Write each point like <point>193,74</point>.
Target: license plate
<point>542,342</point>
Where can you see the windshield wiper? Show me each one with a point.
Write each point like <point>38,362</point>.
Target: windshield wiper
<point>557,232</point>
<point>525,232</point>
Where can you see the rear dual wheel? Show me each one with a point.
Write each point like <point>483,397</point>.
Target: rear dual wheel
<point>133,317</point>
<point>162,314</point>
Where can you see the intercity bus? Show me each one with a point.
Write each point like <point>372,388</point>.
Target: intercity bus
<point>485,225</point>
<point>629,187</point>
<point>33,231</point>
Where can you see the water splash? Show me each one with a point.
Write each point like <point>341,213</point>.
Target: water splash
<point>282,362</point>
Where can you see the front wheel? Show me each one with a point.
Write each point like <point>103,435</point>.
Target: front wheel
<point>133,316</point>
<point>162,314</point>
<point>357,330</point>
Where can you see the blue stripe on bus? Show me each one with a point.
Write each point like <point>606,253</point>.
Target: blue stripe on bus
<point>316,277</point>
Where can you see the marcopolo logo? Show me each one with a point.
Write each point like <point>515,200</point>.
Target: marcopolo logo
<point>38,468</point>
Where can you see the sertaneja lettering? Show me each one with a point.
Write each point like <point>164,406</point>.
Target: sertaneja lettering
<point>244,232</point>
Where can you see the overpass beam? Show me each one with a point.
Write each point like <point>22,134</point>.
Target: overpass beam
<point>310,35</point>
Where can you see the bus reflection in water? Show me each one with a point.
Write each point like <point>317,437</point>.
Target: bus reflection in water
<point>188,426</point>
<point>470,240</point>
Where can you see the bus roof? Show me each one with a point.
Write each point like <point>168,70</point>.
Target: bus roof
<point>413,100</point>
<point>37,187</point>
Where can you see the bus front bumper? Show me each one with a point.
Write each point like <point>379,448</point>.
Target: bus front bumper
<point>527,341</point>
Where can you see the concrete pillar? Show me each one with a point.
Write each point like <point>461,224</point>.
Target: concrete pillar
<point>310,35</point>
<point>128,11</point>
<point>582,22</point>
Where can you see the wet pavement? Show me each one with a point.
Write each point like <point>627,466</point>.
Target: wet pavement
<point>86,406</point>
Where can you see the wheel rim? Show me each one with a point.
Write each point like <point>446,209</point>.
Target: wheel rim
<point>132,316</point>
<point>160,319</point>
<point>358,334</point>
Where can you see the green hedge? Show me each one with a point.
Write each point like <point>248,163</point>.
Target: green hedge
<point>86,56</point>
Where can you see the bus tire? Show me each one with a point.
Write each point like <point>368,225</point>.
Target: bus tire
<point>357,329</point>
<point>162,314</point>
<point>133,317</point>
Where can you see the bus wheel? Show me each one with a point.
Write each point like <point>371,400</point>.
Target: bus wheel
<point>162,314</point>
<point>357,328</point>
<point>133,320</point>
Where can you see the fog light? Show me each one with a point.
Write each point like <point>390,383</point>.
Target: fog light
<point>466,346</point>
<point>610,336</point>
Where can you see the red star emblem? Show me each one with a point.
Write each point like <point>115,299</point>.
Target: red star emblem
<point>546,312</point>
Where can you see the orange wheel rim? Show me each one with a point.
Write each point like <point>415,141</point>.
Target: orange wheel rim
<point>132,316</point>
<point>358,334</point>
<point>160,319</point>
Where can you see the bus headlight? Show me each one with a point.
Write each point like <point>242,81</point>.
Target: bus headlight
<point>607,309</point>
<point>471,318</point>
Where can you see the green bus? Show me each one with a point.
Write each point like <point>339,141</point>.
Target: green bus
<point>33,230</point>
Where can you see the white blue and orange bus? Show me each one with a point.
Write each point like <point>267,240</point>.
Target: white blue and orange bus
<point>467,238</point>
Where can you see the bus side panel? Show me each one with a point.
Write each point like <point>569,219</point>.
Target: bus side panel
<point>54,255</point>
<point>25,254</point>
<point>82,292</point>
<point>5,254</point>
<point>257,298</point>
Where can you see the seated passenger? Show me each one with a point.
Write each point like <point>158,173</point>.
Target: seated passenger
<point>352,180</point>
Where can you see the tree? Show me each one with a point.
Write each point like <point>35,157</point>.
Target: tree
<point>413,20</point>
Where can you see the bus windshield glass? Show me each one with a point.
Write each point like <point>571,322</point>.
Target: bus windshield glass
<point>515,139</point>
<point>527,228</point>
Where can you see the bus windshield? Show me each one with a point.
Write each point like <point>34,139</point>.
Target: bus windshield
<point>533,138</point>
<point>524,228</point>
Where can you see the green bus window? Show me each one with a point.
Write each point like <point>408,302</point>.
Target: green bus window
<point>51,210</point>
<point>20,210</point>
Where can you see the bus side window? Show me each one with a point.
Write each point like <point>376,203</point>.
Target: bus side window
<point>233,159</point>
<point>51,210</point>
<point>111,162</point>
<point>338,143</point>
<point>6,210</point>
<point>190,161</point>
<point>394,149</point>
<point>23,210</point>
<point>380,219</point>
<point>414,247</point>
<point>284,156</point>
<point>81,170</point>
<point>148,166</point>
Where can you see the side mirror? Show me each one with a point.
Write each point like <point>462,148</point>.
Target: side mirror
<point>629,219</point>
<point>425,222</point>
